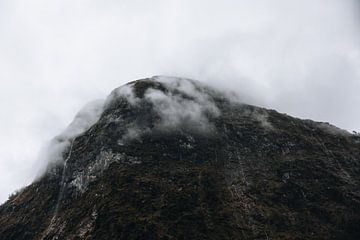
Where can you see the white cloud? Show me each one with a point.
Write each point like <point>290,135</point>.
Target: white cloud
<point>300,57</point>
<point>52,153</point>
<point>176,110</point>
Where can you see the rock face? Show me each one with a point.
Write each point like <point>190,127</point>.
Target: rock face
<point>172,159</point>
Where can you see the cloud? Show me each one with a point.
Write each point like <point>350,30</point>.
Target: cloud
<point>191,106</point>
<point>184,103</point>
<point>53,153</point>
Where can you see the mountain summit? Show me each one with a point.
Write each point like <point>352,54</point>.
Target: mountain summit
<point>170,158</point>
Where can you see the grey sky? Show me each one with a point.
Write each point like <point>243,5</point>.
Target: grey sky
<point>301,57</point>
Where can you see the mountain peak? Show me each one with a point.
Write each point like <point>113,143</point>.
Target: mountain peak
<point>172,158</point>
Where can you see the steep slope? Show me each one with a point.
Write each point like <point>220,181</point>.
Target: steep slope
<point>172,159</point>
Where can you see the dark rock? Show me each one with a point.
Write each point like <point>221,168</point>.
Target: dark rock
<point>189,163</point>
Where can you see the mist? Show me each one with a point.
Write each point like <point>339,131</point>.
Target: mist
<point>52,154</point>
<point>301,57</point>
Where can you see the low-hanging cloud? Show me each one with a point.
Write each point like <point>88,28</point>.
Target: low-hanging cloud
<point>53,153</point>
<point>192,108</point>
<point>184,103</point>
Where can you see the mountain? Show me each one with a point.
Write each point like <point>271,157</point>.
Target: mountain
<point>171,158</point>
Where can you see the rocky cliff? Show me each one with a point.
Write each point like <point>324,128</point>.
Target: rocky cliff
<point>170,158</point>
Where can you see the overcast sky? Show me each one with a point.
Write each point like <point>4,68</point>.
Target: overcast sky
<point>301,57</point>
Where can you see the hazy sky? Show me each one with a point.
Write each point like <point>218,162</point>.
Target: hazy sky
<point>301,57</point>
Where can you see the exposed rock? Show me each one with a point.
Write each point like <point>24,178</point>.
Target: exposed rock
<point>173,159</point>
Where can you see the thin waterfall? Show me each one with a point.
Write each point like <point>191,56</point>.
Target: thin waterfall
<point>61,193</point>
